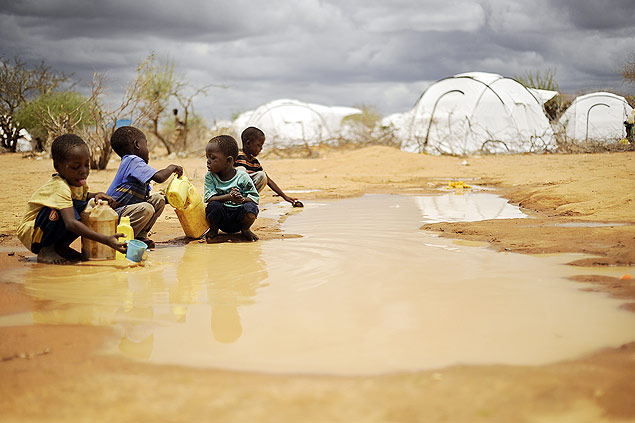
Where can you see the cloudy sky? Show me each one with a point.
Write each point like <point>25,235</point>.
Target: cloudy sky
<point>336,53</point>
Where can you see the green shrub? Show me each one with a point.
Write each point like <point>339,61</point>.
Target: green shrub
<point>56,105</point>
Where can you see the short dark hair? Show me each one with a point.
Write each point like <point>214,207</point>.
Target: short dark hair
<point>250,134</point>
<point>227,144</point>
<point>123,138</point>
<point>63,144</point>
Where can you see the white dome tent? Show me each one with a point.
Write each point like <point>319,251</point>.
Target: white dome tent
<point>479,113</point>
<point>289,123</point>
<point>597,116</point>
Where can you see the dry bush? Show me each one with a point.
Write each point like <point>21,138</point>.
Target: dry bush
<point>102,121</point>
<point>309,151</point>
<point>351,140</point>
<point>628,70</point>
<point>568,145</point>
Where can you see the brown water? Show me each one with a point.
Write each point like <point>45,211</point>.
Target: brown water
<point>364,291</point>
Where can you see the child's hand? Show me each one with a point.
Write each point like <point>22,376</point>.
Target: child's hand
<point>178,170</point>
<point>103,196</point>
<point>236,196</point>
<point>113,242</point>
<point>294,201</point>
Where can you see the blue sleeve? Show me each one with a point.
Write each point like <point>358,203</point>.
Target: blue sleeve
<point>210,187</point>
<point>132,170</point>
<point>140,170</point>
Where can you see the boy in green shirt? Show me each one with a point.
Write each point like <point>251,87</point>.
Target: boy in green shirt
<point>232,199</point>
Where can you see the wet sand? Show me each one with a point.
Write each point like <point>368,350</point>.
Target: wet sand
<point>55,373</point>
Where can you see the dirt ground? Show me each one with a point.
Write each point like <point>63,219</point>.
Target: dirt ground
<point>56,373</point>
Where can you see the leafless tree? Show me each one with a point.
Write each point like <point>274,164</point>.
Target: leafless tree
<point>158,86</point>
<point>628,71</point>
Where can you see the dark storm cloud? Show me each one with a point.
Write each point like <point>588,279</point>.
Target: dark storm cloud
<point>334,52</point>
<point>65,19</point>
<point>608,15</point>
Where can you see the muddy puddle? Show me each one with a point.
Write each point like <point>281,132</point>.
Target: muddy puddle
<point>363,291</point>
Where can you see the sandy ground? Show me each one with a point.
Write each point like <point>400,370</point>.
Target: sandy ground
<point>56,373</point>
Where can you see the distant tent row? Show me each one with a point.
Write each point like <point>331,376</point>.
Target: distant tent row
<point>289,123</point>
<point>464,114</point>
<point>488,113</point>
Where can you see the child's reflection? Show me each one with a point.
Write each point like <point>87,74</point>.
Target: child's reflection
<point>232,285</point>
<point>190,283</point>
<point>86,295</point>
<point>137,319</point>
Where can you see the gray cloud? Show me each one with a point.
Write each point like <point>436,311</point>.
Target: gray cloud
<point>336,53</point>
<point>609,15</point>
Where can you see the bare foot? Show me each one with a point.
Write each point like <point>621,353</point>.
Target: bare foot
<point>148,242</point>
<point>68,253</point>
<point>212,239</point>
<point>49,256</point>
<point>249,235</point>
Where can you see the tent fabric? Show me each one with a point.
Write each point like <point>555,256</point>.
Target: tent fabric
<point>478,113</point>
<point>288,122</point>
<point>597,116</point>
<point>543,95</point>
<point>24,143</point>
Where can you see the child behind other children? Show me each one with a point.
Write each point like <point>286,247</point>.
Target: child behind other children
<point>253,139</point>
<point>232,198</point>
<point>51,220</point>
<point>131,185</point>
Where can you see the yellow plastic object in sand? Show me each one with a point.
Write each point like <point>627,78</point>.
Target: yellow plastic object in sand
<point>99,217</point>
<point>177,192</point>
<point>124,228</point>
<point>189,207</point>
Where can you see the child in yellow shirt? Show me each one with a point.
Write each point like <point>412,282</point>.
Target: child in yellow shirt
<point>51,220</point>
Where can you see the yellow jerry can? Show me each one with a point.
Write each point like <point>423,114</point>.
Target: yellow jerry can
<point>99,217</point>
<point>188,205</point>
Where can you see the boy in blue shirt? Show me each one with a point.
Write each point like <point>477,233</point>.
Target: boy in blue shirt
<point>231,196</point>
<point>51,219</point>
<point>131,186</point>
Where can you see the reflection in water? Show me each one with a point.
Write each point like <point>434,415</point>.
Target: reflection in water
<point>363,291</point>
<point>465,207</point>
<point>137,316</point>
<point>231,284</point>
<point>141,300</point>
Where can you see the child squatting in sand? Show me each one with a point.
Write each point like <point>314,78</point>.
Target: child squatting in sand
<point>131,185</point>
<point>253,139</point>
<point>51,220</point>
<point>232,199</point>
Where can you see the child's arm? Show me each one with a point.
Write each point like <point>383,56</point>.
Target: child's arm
<point>234,196</point>
<point>75,226</point>
<point>163,174</point>
<point>271,184</point>
<point>239,198</point>
<point>221,198</point>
